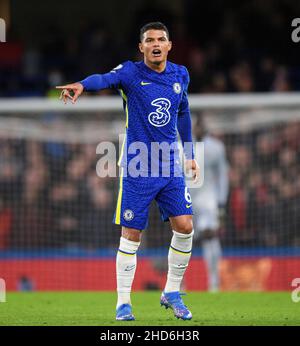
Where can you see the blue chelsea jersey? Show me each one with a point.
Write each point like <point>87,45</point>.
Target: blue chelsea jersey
<point>152,103</point>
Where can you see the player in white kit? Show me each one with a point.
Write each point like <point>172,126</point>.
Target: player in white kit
<point>209,202</point>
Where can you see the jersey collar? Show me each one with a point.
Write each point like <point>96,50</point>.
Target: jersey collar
<point>149,70</point>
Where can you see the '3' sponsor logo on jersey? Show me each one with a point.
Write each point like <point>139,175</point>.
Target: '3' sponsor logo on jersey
<point>161,116</point>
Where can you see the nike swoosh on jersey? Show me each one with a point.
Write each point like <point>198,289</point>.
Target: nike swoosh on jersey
<point>145,83</point>
<point>188,205</point>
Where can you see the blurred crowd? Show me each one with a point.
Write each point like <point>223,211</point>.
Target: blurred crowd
<point>264,201</point>
<point>244,47</point>
<point>51,196</point>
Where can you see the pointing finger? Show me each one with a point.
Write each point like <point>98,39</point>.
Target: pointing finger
<point>67,86</point>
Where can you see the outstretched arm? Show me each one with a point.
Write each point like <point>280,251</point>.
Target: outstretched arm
<point>91,83</point>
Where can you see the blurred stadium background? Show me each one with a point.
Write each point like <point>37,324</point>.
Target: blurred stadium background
<point>55,213</point>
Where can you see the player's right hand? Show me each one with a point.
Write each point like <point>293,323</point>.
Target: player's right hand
<point>75,88</point>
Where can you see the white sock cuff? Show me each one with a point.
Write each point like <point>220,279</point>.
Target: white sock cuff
<point>128,246</point>
<point>183,235</point>
<point>182,242</point>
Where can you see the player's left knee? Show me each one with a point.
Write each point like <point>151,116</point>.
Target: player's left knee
<point>185,227</point>
<point>182,224</point>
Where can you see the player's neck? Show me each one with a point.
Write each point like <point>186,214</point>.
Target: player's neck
<point>156,67</point>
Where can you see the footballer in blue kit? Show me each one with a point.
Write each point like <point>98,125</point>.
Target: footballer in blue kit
<point>155,100</point>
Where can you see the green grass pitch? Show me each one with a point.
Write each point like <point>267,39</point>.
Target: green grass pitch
<point>98,309</point>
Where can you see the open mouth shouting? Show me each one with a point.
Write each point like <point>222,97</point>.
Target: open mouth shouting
<point>156,53</point>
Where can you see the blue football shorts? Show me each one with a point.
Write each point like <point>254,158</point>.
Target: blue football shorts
<point>136,194</point>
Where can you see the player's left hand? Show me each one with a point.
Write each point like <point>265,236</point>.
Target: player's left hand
<point>193,165</point>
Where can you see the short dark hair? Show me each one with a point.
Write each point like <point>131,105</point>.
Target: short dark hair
<point>153,26</point>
